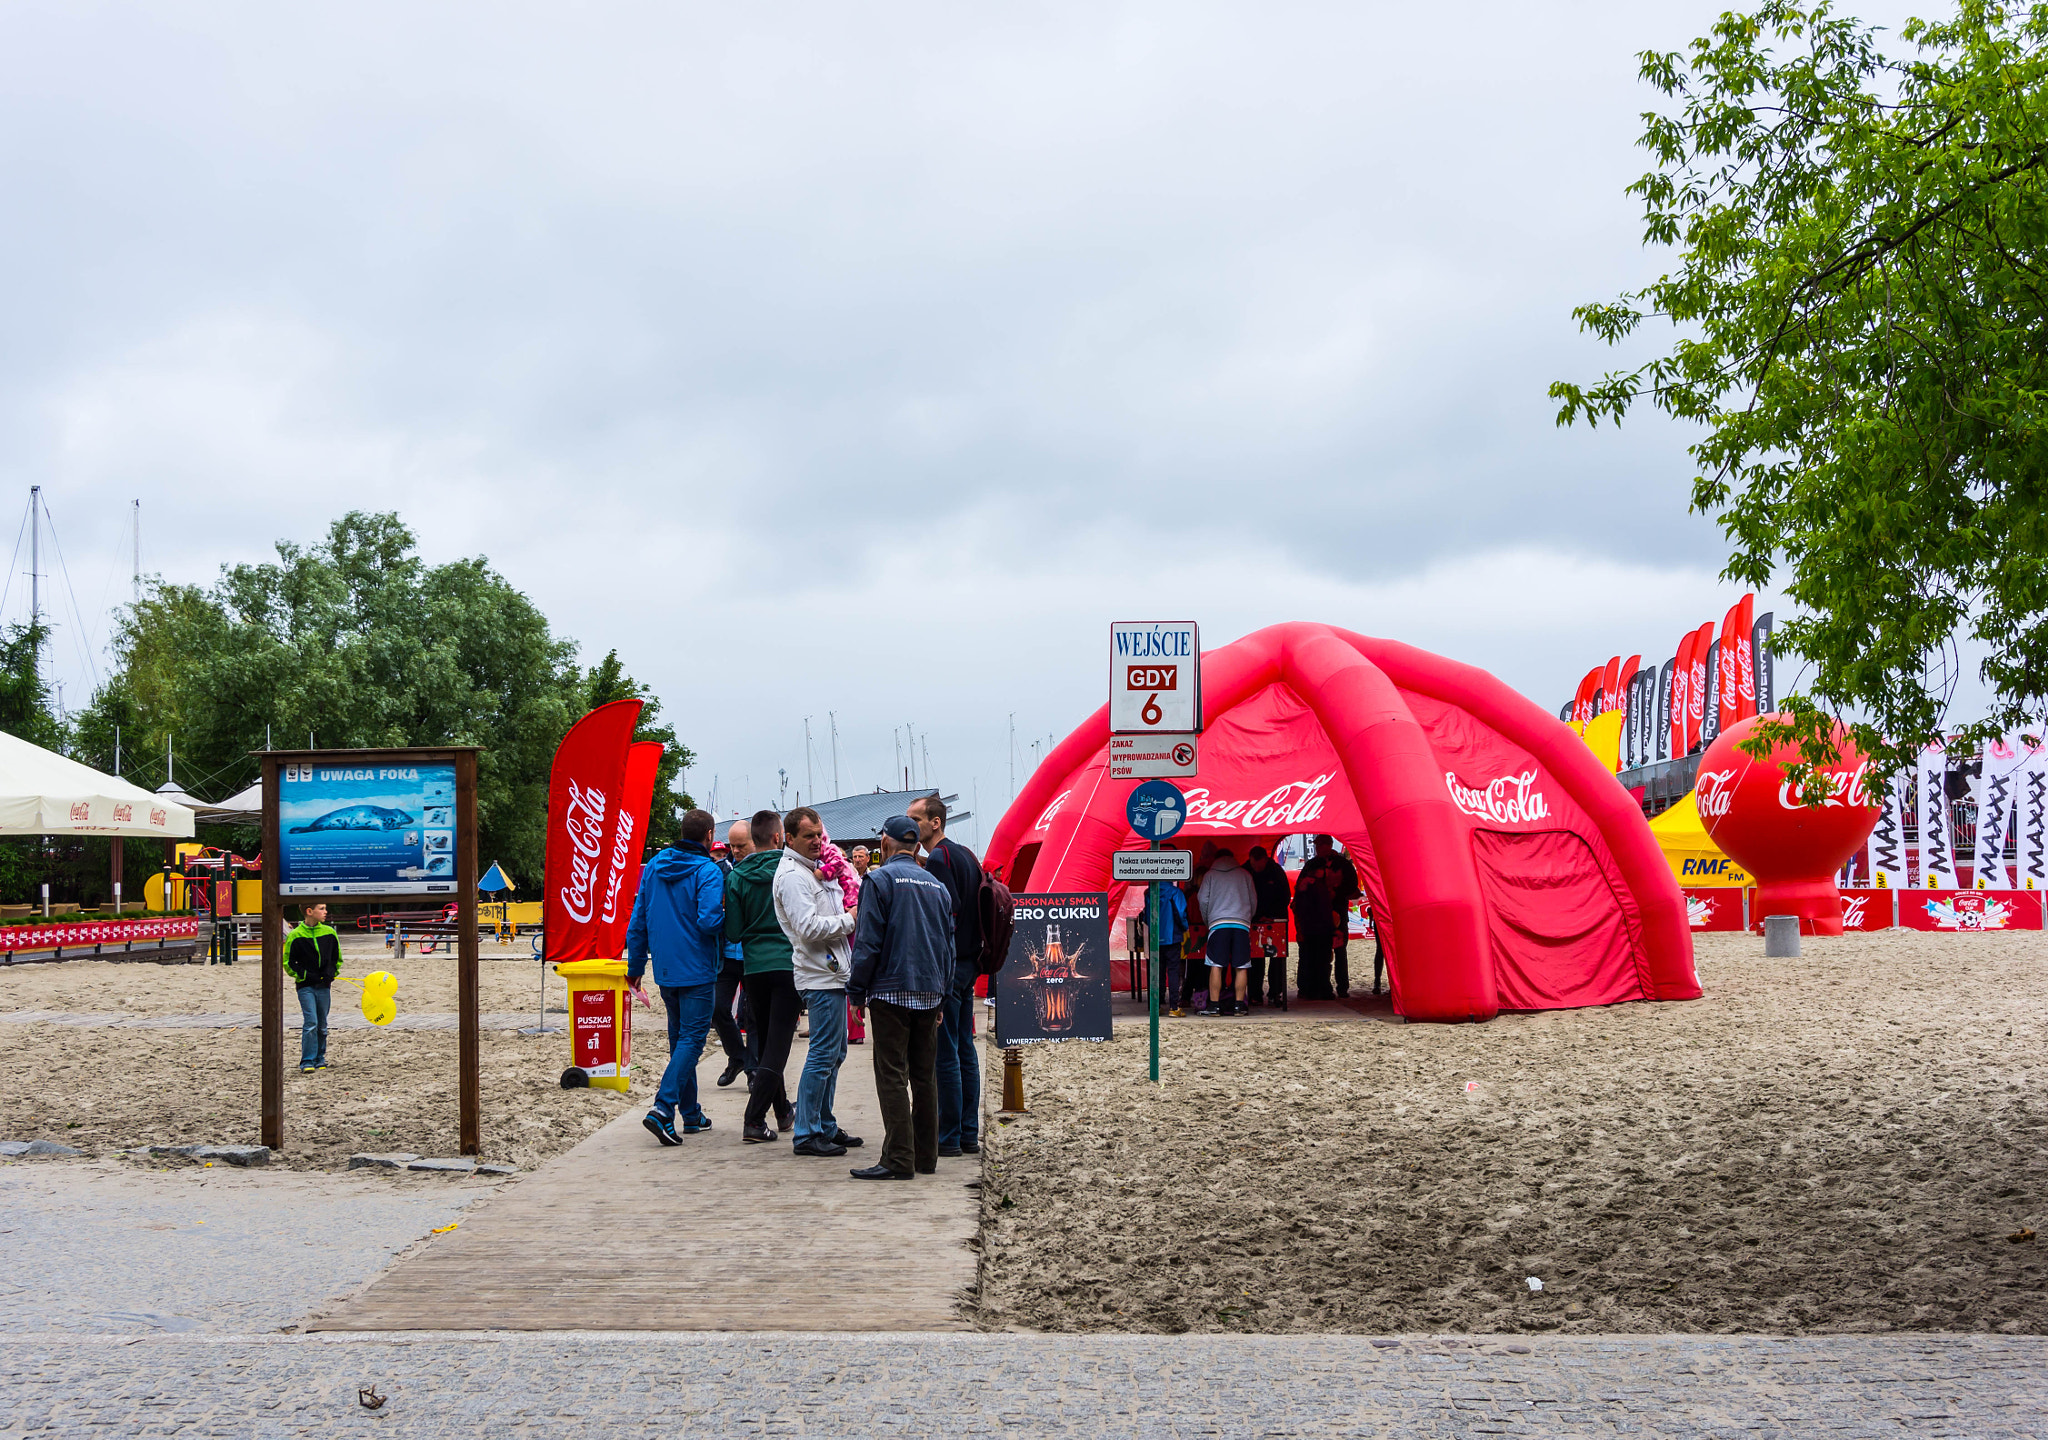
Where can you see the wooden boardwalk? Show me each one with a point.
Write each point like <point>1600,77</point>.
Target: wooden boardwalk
<point>621,1233</point>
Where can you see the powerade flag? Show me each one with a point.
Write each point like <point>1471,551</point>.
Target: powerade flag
<point>1710,713</point>
<point>1662,725</point>
<point>1631,723</point>
<point>1626,678</point>
<point>628,844</point>
<point>1760,643</point>
<point>584,791</point>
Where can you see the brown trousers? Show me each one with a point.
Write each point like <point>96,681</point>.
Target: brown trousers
<point>906,1044</point>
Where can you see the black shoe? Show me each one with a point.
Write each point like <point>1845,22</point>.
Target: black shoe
<point>968,1147</point>
<point>880,1172</point>
<point>950,1152</point>
<point>732,1073</point>
<point>757,1134</point>
<point>785,1116</point>
<point>851,1142</point>
<point>662,1128</point>
<point>824,1149</point>
<point>931,1169</point>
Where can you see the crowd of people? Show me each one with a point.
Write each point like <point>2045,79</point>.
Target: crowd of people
<point>782,930</point>
<point>1231,921</point>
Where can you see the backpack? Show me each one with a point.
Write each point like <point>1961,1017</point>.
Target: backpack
<point>998,920</point>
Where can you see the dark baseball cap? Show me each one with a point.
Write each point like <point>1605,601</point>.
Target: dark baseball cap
<point>900,828</point>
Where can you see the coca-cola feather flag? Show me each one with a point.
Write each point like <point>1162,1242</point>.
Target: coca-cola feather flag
<point>628,845</point>
<point>584,791</point>
<point>1681,692</point>
<point>1728,690</point>
<point>1696,687</point>
<point>1745,657</point>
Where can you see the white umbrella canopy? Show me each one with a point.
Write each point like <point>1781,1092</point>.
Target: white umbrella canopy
<point>244,806</point>
<point>42,793</point>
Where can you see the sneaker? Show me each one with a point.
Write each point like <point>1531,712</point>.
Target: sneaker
<point>785,1117</point>
<point>757,1134</point>
<point>819,1147</point>
<point>308,1069</point>
<point>732,1073</point>
<point>661,1127</point>
<point>697,1127</point>
<point>1177,1013</point>
<point>851,1142</point>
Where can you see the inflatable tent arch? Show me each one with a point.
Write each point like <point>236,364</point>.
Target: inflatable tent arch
<point>1510,868</point>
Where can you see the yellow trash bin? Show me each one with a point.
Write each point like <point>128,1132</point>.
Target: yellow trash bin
<point>600,1031</point>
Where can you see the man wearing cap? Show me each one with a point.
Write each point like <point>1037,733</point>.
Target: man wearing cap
<point>903,948</point>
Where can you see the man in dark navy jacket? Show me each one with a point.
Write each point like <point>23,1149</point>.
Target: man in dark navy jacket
<point>902,970</point>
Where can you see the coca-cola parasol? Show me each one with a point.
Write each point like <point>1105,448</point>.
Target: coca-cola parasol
<point>1791,847</point>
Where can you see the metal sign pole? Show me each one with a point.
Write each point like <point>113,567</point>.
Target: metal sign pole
<point>1152,964</point>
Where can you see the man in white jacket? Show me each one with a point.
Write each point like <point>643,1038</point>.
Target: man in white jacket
<point>813,914</point>
<point>1228,897</point>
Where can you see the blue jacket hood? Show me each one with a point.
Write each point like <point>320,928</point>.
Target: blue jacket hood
<point>678,917</point>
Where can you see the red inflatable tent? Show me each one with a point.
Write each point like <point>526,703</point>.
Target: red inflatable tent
<point>1511,871</point>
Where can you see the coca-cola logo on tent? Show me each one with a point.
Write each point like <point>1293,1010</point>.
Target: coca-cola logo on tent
<point>1504,800</point>
<point>1295,803</point>
<point>1058,802</point>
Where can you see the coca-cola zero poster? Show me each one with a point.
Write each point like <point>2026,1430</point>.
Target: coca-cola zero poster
<point>1055,983</point>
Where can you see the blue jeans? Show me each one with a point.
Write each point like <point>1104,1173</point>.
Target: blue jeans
<point>959,1069</point>
<point>818,1086</point>
<point>313,1003</point>
<point>689,1021</point>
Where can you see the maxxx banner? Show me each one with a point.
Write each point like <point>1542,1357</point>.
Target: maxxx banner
<point>1055,983</point>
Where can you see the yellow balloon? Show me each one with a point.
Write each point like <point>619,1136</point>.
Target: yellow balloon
<point>380,997</point>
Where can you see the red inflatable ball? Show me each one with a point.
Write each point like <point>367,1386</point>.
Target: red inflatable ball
<point>1793,848</point>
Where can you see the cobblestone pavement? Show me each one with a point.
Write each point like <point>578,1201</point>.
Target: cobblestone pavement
<point>122,1247</point>
<point>1019,1385</point>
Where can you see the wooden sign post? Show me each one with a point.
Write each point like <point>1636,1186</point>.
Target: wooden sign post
<point>412,862</point>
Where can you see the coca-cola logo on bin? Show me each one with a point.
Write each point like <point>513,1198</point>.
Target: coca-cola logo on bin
<point>585,829</point>
<point>1504,800</point>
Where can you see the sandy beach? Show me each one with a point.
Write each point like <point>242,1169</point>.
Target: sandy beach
<point>1838,1143</point>
<point>101,1089</point>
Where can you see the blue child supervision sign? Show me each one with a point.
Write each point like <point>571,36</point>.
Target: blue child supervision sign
<point>366,829</point>
<point>1157,810</point>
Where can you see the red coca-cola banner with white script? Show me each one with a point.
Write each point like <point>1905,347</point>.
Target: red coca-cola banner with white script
<point>585,791</point>
<point>628,846</point>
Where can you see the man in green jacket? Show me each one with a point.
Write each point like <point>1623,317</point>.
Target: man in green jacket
<point>770,983</point>
<point>312,957</point>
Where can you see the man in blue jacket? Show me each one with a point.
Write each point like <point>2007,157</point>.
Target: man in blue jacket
<point>680,916</point>
<point>903,946</point>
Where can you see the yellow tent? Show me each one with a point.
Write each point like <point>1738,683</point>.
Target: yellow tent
<point>1694,858</point>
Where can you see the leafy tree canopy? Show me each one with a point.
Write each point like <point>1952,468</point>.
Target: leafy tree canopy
<point>354,642</point>
<point>1861,296</point>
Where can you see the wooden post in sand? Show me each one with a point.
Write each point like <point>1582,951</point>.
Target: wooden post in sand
<point>1013,1081</point>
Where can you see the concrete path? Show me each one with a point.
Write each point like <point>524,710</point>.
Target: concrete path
<point>621,1233</point>
<point>565,1387</point>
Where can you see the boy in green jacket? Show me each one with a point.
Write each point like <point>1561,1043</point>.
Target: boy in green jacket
<point>312,957</point>
<point>770,983</point>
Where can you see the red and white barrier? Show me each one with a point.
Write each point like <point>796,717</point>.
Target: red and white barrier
<point>1958,910</point>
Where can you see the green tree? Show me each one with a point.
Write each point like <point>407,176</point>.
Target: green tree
<point>1861,296</point>
<point>25,712</point>
<point>352,642</point>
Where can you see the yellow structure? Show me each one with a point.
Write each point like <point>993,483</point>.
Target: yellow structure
<point>494,914</point>
<point>1694,858</point>
<point>1602,735</point>
<point>600,1030</point>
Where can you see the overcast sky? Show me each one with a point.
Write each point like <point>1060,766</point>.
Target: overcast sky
<point>865,360</point>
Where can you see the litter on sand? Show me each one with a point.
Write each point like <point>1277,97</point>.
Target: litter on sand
<point>1534,1284</point>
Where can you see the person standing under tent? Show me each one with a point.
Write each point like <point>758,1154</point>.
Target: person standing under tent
<point>903,961</point>
<point>679,918</point>
<point>312,957</point>
<point>735,1035</point>
<point>1269,929</point>
<point>812,912</point>
<point>1173,929</point>
<point>1316,907</point>
<point>959,1068</point>
<point>1228,899</point>
<point>769,982</point>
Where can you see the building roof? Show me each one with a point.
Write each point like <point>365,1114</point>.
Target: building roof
<point>858,818</point>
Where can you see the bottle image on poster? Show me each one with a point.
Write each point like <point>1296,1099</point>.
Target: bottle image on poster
<point>1054,985</point>
<point>366,829</point>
